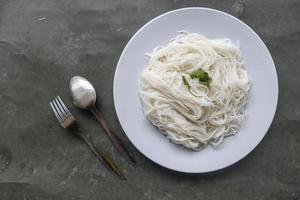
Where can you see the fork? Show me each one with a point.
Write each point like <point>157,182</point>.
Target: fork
<point>68,121</point>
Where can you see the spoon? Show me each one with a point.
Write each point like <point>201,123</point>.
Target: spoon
<point>84,97</point>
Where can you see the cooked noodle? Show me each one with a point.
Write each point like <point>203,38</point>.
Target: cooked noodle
<point>203,114</point>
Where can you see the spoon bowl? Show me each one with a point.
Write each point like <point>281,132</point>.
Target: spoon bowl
<point>83,92</point>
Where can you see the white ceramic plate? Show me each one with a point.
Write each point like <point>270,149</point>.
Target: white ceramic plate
<point>262,101</point>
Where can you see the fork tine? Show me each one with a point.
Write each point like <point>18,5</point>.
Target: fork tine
<point>60,108</point>
<point>64,106</point>
<point>55,112</point>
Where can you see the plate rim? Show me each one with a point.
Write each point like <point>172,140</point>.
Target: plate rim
<point>219,12</point>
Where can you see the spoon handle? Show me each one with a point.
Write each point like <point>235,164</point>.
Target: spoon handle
<point>116,141</point>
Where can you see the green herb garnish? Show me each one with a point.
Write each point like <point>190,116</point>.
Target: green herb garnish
<point>185,82</point>
<point>202,76</point>
<point>199,74</point>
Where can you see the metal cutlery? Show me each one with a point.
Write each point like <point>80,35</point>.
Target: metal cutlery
<point>84,97</point>
<point>68,121</point>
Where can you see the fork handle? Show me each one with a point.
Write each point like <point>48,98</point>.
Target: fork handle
<point>103,157</point>
<point>116,141</point>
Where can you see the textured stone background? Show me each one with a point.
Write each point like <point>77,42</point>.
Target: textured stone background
<point>43,43</point>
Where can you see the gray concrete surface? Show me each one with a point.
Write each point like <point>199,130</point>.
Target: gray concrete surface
<point>43,43</point>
